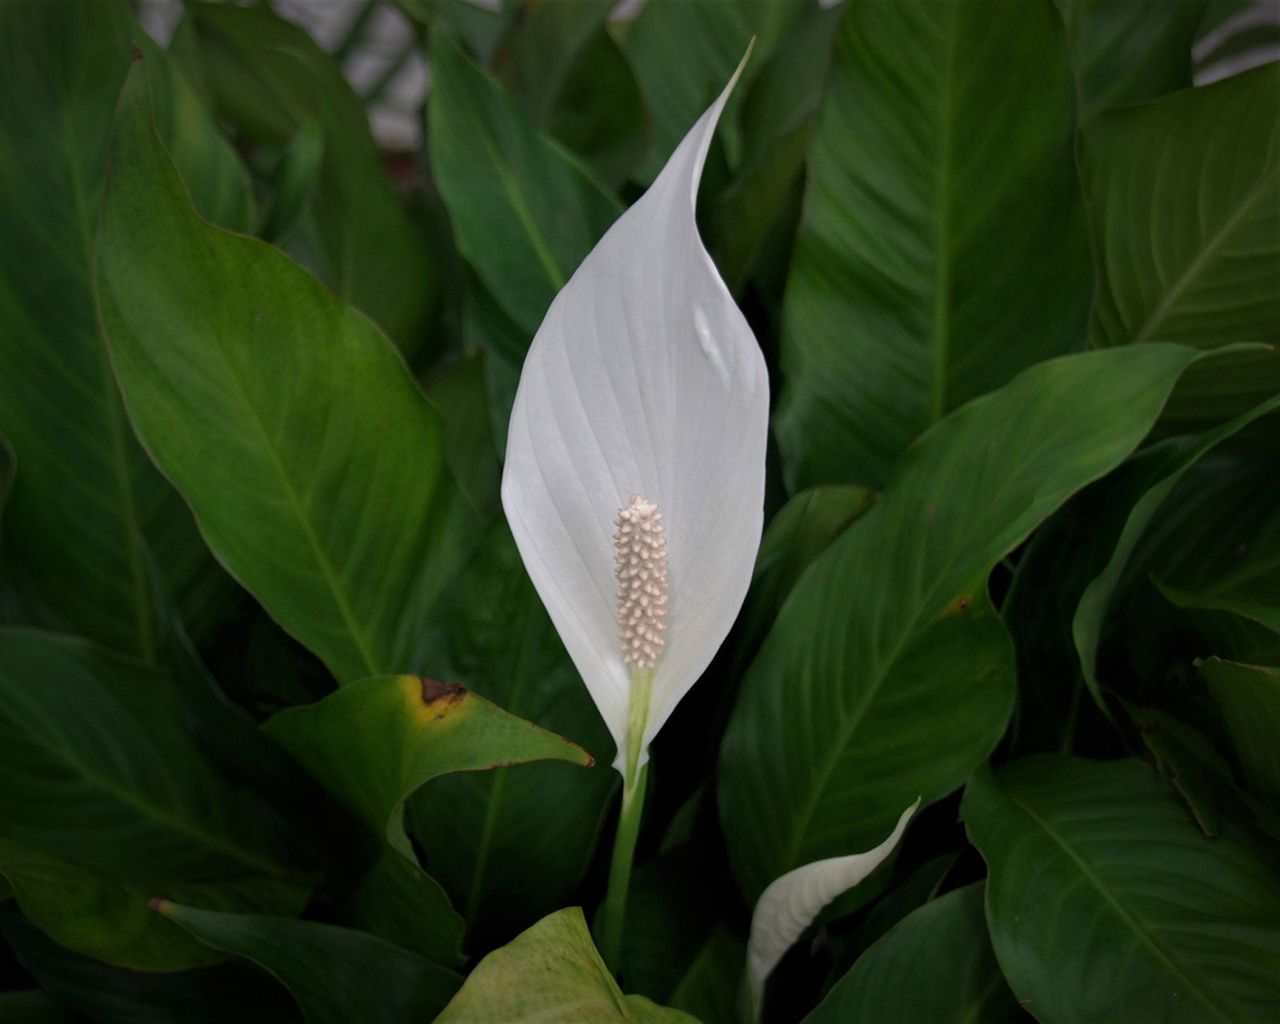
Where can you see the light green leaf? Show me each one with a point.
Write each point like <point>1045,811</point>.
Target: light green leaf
<point>936,965</point>
<point>337,975</point>
<point>87,500</point>
<point>485,834</point>
<point>105,801</point>
<point>1131,51</point>
<point>551,972</point>
<point>524,211</point>
<point>375,742</point>
<point>888,645</point>
<point>942,246</point>
<point>1200,265</point>
<point>313,463</point>
<point>272,80</point>
<point>1106,903</point>
<point>1158,472</point>
<point>1249,698</point>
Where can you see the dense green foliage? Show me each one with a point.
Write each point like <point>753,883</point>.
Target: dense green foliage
<point>285,731</point>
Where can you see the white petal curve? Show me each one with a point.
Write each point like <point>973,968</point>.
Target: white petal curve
<point>791,903</point>
<point>643,378</point>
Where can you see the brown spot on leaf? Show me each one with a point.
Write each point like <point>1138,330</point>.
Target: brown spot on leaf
<point>436,692</point>
<point>135,54</point>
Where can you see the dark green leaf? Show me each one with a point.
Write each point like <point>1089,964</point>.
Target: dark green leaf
<point>337,975</point>
<point>1106,903</point>
<point>1249,698</point>
<point>272,80</point>
<point>1130,51</point>
<point>936,966</point>
<point>107,802</point>
<point>31,1007</point>
<point>375,742</point>
<point>87,500</point>
<point>313,463</point>
<point>524,211</point>
<point>1200,265</point>
<point>888,645</point>
<point>942,246</point>
<point>1159,472</point>
<point>551,972</point>
<point>485,834</point>
<point>683,52</point>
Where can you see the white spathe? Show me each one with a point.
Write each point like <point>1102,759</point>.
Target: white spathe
<point>644,378</point>
<point>792,902</point>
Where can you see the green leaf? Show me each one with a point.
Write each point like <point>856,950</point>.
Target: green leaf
<point>1200,266</point>
<point>1157,472</point>
<point>1106,903</point>
<point>337,975</point>
<point>942,246</point>
<point>87,500</point>
<point>1129,52</point>
<point>8,467</point>
<point>485,834</point>
<point>272,80</point>
<point>375,742</point>
<point>524,211</point>
<point>313,463</point>
<point>564,72</point>
<point>751,220</point>
<point>888,645</point>
<point>936,965</point>
<point>116,995</point>
<point>683,52</point>
<point>105,801</point>
<point>31,1007</point>
<point>551,972</point>
<point>1249,698</point>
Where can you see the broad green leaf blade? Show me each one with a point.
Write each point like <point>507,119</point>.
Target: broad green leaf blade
<point>1106,903</point>
<point>372,745</point>
<point>888,644</point>
<point>936,965</point>
<point>105,801</point>
<point>683,51</point>
<point>523,209</point>
<point>8,468</point>
<point>87,499</point>
<point>1199,267</point>
<point>1129,52</point>
<point>485,834</point>
<point>1249,698</point>
<point>272,80</point>
<point>337,975</point>
<point>1161,472</point>
<point>313,463</point>
<point>942,246</point>
<point>116,995</point>
<point>551,972</point>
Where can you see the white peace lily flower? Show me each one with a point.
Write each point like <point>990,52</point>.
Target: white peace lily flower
<point>634,477</point>
<point>793,902</point>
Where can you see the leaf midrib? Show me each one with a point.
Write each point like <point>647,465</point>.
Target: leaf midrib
<point>940,336</point>
<point>149,810</point>
<point>1153,320</point>
<point>1117,906</point>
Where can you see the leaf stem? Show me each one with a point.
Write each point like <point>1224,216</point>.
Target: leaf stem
<point>635,778</point>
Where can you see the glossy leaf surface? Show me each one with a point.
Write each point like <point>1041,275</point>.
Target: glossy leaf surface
<point>942,246</point>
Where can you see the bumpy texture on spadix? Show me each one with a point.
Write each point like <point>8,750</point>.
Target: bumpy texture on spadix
<point>645,379</point>
<point>641,568</point>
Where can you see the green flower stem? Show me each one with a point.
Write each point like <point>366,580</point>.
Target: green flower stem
<point>634,780</point>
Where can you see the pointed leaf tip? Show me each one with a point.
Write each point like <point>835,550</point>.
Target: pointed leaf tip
<point>644,378</point>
